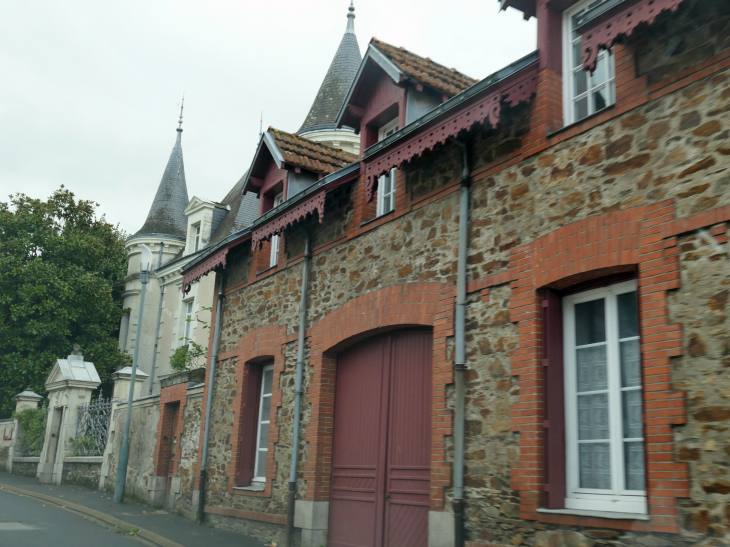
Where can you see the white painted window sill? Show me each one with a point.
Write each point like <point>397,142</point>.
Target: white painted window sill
<point>597,514</point>
<point>255,487</point>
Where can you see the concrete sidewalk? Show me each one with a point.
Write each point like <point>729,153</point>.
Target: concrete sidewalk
<point>162,525</point>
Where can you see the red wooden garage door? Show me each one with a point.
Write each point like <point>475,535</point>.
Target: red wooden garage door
<point>382,443</point>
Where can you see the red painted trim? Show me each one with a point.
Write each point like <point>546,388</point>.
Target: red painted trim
<point>623,23</point>
<point>517,89</point>
<point>313,203</point>
<point>217,260</point>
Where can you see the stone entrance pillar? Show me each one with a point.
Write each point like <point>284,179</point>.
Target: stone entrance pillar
<point>70,383</point>
<point>26,399</point>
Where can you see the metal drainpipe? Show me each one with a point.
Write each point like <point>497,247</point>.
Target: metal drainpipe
<point>159,317</point>
<point>209,403</point>
<point>460,361</point>
<point>298,393</point>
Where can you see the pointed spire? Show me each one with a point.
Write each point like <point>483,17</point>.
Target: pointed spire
<point>179,123</point>
<point>337,81</point>
<point>167,214</point>
<point>350,19</point>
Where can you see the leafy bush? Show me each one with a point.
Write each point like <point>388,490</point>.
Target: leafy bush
<point>32,423</point>
<point>84,446</point>
<point>190,355</point>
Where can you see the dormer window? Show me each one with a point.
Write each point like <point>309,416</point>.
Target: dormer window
<point>197,238</point>
<point>386,183</point>
<point>274,260</point>
<point>585,93</point>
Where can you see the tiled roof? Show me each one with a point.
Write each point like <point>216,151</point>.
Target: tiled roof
<point>167,214</point>
<point>244,209</point>
<point>423,69</point>
<point>336,83</point>
<point>301,152</point>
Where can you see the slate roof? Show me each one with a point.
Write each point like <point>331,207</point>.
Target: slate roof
<point>447,80</point>
<point>167,214</point>
<point>301,152</point>
<point>336,83</point>
<point>244,210</point>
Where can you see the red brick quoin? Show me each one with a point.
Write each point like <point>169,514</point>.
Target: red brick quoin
<point>600,245</point>
<point>412,304</point>
<point>161,457</point>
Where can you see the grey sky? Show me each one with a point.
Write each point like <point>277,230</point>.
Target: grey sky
<point>90,91</point>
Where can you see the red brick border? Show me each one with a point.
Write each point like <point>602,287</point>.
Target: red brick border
<point>261,343</point>
<point>161,458</point>
<point>629,237</point>
<point>411,304</point>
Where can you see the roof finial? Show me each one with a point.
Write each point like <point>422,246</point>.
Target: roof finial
<point>350,19</point>
<point>182,105</point>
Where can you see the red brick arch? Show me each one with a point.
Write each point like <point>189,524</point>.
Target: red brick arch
<point>262,343</point>
<point>611,241</point>
<point>411,304</point>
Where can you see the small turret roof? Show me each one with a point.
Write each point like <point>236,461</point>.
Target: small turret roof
<point>167,214</point>
<point>336,83</point>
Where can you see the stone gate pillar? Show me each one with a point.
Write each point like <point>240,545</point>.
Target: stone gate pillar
<point>26,399</point>
<point>70,383</point>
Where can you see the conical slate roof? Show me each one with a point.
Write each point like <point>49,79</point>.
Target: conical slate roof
<point>334,88</point>
<point>167,214</point>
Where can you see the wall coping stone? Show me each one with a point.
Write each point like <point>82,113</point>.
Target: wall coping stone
<point>197,375</point>
<point>84,459</point>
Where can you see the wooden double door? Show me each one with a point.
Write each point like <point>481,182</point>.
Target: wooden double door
<point>381,457</point>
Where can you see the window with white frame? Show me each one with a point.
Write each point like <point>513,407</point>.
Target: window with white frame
<point>603,401</point>
<point>262,433</point>
<point>585,93</point>
<point>386,183</point>
<point>188,328</point>
<point>197,238</point>
<point>274,259</point>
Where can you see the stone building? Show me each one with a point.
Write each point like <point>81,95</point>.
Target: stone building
<point>177,230</point>
<point>516,328</point>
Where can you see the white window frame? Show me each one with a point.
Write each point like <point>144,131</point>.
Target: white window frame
<point>262,420</point>
<point>274,258</point>
<point>571,66</point>
<point>386,183</point>
<point>196,238</point>
<point>189,309</point>
<point>617,499</point>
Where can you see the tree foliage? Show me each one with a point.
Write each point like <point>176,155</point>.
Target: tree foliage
<point>62,275</point>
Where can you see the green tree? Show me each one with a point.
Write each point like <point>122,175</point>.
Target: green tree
<point>61,279</point>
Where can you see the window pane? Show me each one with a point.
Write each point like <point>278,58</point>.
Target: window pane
<point>595,466</point>
<point>264,436</point>
<point>265,409</point>
<point>577,54</point>
<point>632,414</point>
<point>628,319</point>
<point>268,379</point>
<point>600,99</point>
<point>261,464</point>
<point>593,417</point>
<point>581,109</point>
<point>630,370</point>
<point>590,322</point>
<point>386,204</point>
<point>592,375</point>
<point>634,462</point>
<point>600,74</point>
<point>580,82</point>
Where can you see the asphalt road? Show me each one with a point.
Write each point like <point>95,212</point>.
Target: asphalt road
<point>28,522</point>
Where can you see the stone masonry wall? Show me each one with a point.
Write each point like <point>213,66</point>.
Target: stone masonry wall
<point>676,147</point>
<point>189,441</point>
<point>82,473</point>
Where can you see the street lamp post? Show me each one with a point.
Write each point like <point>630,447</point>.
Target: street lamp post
<point>144,276</point>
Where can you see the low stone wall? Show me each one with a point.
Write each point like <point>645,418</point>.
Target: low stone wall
<point>143,438</point>
<point>26,467</point>
<point>82,471</point>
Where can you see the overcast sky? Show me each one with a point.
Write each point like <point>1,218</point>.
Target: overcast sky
<point>90,90</point>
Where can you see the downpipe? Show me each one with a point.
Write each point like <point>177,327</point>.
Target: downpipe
<point>460,343</point>
<point>291,497</point>
<point>209,403</point>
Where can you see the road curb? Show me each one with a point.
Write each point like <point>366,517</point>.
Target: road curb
<point>142,532</point>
